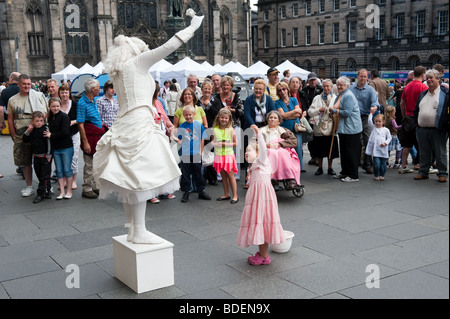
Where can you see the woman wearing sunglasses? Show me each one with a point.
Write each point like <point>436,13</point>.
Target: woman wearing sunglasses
<point>291,113</point>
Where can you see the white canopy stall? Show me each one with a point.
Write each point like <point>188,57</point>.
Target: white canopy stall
<point>70,72</point>
<point>183,69</point>
<point>293,69</point>
<point>259,69</point>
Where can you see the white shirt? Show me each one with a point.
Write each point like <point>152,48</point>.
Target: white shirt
<point>428,109</point>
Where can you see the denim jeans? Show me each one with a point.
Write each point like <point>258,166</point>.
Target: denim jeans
<point>379,166</point>
<point>63,162</point>
<point>299,148</point>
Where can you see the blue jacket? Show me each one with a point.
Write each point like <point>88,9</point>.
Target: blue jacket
<point>442,115</point>
<point>350,118</point>
<point>249,110</point>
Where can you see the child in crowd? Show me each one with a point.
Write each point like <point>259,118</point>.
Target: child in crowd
<point>42,156</point>
<point>224,139</point>
<point>260,221</point>
<point>62,145</point>
<point>393,127</point>
<point>190,136</point>
<point>377,146</point>
<point>171,101</point>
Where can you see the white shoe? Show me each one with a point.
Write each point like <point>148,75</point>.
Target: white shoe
<point>350,180</point>
<point>405,170</point>
<point>27,192</point>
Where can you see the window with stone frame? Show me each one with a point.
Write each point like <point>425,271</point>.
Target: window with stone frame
<point>335,68</point>
<point>226,32</point>
<point>34,24</point>
<point>76,28</point>
<point>133,12</point>
<point>195,46</point>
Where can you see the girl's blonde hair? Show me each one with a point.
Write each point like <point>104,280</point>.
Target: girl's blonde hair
<point>227,112</point>
<point>390,113</point>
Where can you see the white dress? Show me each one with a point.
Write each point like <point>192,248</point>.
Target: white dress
<point>133,159</point>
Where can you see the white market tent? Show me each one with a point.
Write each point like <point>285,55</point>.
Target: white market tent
<point>157,68</point>
<point>87,68</point>
<point>98,69</point>
<point>183,69</point>
<point>206,64</point>
<point>259,69</point>
<point>294,70</point>
<point>231,67</point>
<point>68,73</point>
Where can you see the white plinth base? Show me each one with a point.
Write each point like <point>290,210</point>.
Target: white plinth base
<point>143,267</point>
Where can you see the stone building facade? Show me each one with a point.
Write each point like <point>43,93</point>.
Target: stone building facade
<point>41,37</point>
<point>333,36</point>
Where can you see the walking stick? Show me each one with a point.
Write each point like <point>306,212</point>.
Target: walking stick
<point>335,126</point>
<point>336,119</point>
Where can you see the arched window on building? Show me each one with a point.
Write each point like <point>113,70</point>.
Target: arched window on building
<point>195,46</point>
<point>321,66</point>
<point>34,24</point>
<point>335,68</point>
<point>375,63</point>
<point>351,65</point>
<point>394,62</point>
<point>307,65</point>
<point>226,32</point>
<point>434,59</point>
<point>414,61</point>
<point>76,28</point>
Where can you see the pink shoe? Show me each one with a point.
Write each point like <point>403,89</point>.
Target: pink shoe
<point>258,260</point>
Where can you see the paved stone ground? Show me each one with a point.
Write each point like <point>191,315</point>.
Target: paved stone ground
<point>399,225</point>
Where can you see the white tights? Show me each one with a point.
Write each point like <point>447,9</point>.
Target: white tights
<point>137,232</point>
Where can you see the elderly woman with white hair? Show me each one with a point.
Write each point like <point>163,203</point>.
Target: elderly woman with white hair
<point>134,160</point>
<point>349,130</point>
<point>322,119</point>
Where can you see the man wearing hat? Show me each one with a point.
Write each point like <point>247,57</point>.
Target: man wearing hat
<point>312,88</point>
<point>272,75</point>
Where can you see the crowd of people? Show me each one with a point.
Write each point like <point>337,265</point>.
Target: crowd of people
<point>361,123</point>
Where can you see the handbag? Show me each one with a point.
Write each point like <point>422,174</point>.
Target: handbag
<point>303,126</point>
<point>299,128</point>
<point>207,157</point>
<point>326,124</point>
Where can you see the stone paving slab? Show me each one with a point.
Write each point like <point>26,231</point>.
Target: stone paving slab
<point>399,225</point>
<point>413,284</point>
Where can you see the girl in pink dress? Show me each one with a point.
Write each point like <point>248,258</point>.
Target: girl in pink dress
<point>224,139</point>
<point>260,221</point>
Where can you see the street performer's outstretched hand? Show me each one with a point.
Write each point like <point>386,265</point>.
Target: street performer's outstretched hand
<point>196,21</point>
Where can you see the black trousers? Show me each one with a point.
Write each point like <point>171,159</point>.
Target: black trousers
<point>43,169</point>
<point>349,146</point>
<point>191,166</point>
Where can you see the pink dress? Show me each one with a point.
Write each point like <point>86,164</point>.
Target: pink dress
<point>260,221</point>
<point>285,163</point>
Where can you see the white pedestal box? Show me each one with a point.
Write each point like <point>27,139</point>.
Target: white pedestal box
<point>143,267</point>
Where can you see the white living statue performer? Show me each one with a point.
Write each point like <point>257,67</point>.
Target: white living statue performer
<point>133,159</point>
